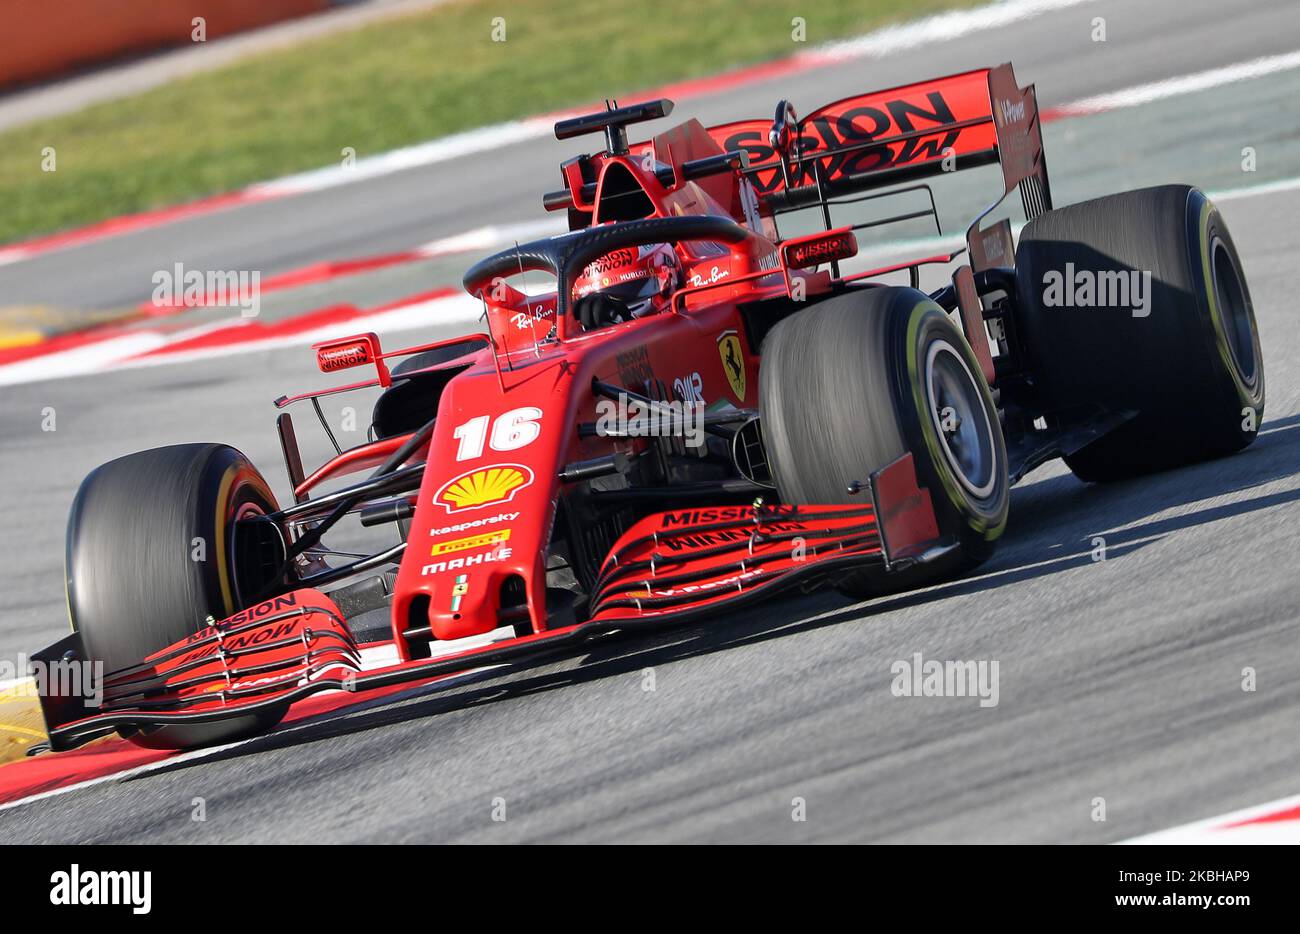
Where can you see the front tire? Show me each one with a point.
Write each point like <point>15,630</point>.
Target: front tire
<point>154,547</point>
<point>857,381</point>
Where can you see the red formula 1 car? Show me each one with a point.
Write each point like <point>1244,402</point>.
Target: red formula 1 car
<point>701,413</point>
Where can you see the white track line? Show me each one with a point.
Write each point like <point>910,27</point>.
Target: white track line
<point>461,310</point>
<point>90,358</point>
<point>942,27</point>
<point>1216,829</point>
<point>122,352</point>
<point>494,236</point>
<point>455,146</point>
<point>1185,84</point>
<point>1252,191</point>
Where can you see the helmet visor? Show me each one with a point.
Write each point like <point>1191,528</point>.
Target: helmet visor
<point>632,291</point>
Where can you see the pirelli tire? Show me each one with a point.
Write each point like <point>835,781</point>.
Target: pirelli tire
<point>853,383</point>
<point>1186,359</point>
<point>154,547</point>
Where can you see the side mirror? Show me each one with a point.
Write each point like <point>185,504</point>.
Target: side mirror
<point>344,353</point>
<point>828,246</point>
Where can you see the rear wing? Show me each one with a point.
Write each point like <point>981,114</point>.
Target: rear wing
<point>897,136</point>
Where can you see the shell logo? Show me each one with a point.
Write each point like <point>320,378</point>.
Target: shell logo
<point>486,486</point>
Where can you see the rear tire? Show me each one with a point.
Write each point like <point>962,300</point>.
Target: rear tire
<point>857,381</point>
<point>153,550</point>
<point>1191,367</point>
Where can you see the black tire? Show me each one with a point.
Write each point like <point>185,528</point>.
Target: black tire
<point>138,578</point>
<point>849,386</point>
<point>1191,367</point>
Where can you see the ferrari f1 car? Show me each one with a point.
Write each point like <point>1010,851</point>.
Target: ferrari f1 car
<point>701,412</point>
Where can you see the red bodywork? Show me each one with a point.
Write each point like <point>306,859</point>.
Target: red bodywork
<point>507,424</point>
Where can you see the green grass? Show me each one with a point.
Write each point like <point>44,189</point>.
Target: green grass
<point>390,84</point>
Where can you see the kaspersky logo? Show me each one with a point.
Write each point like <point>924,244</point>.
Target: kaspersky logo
<point>486,486</point>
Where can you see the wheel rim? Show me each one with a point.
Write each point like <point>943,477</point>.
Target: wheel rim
<point>960,419</point>
<point>1234,311</point>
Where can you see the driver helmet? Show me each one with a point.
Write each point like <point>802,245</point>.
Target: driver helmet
<point>630,282</point>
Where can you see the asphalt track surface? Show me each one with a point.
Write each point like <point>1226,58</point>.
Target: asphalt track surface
<point>1119,679</point>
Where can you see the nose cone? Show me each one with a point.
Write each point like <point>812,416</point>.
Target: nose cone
<point>477,531</point>
<point>479,536</point>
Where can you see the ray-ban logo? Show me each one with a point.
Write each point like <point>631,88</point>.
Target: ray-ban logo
<point>80,886</point>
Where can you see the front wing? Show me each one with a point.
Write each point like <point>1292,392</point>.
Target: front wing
<point>669,567</point>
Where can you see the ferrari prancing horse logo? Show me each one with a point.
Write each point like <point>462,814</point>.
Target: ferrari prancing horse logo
<point>733,362</point>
